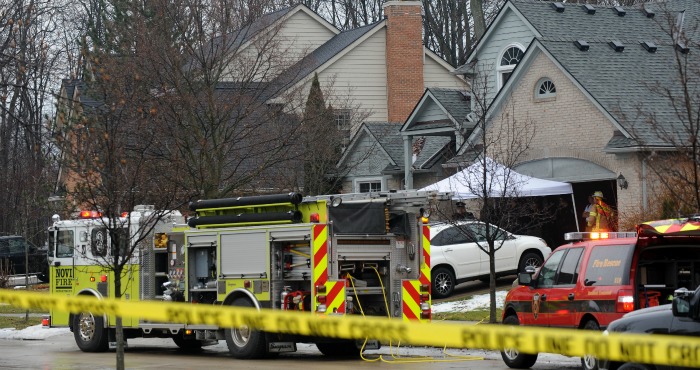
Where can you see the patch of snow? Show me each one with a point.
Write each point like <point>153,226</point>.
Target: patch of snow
<point>477,302</point>
<point>36,332</point>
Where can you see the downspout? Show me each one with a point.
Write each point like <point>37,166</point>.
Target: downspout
<point>408,161</point>
<point>645,205</point>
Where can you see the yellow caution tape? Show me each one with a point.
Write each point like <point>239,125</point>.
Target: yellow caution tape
<point>641,348</point>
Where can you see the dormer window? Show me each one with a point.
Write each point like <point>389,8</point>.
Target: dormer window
<point>509,59</point>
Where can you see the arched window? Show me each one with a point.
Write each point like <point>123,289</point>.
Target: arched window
<point>545,88</point>
<point>510,57</point>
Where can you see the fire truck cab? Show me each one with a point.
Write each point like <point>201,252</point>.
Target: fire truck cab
<point>348,254</point>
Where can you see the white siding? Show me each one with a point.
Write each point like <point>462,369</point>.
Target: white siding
<point>360,75</point>
<point>301,34</point>
<point>435,75</point>
<point>296,37</point>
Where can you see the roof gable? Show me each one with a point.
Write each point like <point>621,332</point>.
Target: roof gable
<point>326,54</point>
<point>501,18</point>
<point>438,110</point>
<point>383,136</point>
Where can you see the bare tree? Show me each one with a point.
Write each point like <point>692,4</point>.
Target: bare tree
<point>27,65</point>
<point>498,144</point>
<point>669,131</point>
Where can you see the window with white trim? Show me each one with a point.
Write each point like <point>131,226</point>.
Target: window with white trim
<point>343,123</point>
<point>510,57</point>
<point>368,185</point>
<point>545,88</point>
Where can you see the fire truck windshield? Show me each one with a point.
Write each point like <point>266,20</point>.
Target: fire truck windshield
<point>64,245</point>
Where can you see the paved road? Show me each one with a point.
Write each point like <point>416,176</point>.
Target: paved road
<point>60,352</point>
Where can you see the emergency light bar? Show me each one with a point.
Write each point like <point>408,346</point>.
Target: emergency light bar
<point>90,214</point>
<point>594,235</point>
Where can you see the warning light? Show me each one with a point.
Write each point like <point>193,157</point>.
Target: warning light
<point>315,217</point>
<point>92,279</point>
<point>125,214</point>
<point>46,322</point>
<point>103,278</point>
<point>90,214</point>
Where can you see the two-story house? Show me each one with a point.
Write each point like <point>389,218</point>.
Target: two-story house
<point>374,73</point>
<point>600,86</point>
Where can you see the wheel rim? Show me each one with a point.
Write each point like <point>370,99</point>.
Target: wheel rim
<point>443,283</point>
<point>589,362</point>
<point>240,336</point>
<point>86,326</point>
<point>533,262</point>
<point>511,353</point>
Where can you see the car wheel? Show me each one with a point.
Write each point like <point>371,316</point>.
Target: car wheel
<point>529,259</point>
<point>244,342</point>
<point>631,366</point>
<point>511,356</point>
<point>89,332</point>
<point>590,362</point>
<point>443,283</point>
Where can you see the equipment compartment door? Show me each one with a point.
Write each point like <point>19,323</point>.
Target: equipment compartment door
<point>244,255</point>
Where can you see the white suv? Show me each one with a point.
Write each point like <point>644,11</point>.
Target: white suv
<point>456,255</point>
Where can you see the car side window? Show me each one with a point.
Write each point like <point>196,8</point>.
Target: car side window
<point>478,232</point>
<point>4,248</point>
<point>451,235</point>
<point>568,274</point>
<point>17,247</point>
<point>609,265</point>
<point>548,271</point>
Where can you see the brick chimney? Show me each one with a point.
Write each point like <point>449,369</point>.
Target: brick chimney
<point>404,57</point>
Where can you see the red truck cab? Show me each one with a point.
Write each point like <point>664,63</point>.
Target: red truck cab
<point>599,277</point>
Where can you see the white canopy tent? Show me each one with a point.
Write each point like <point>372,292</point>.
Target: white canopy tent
<point>501,182</point>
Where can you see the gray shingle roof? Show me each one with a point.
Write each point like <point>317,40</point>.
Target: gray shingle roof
<point>623,83</point>
<point>389,137</point>
<point>454,100</point>
<point>575,22</point>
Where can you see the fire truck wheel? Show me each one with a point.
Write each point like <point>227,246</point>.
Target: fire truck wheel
<point>443,283</point>
<point>589,362</point>
<point>511,356</point>
<point>243,342</point>
<point>529,259</point>
<point>89,332</point>
<point>339,349</point>
<point>631,366</point>
<point>187,345</point>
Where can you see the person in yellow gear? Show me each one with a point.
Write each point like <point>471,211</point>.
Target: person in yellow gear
<point>600,215</point>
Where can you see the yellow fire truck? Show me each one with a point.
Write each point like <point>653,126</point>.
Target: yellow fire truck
<point>346,254</point>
